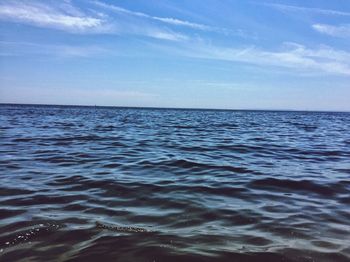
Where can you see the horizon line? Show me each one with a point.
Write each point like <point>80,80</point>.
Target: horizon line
<point>176,108</point>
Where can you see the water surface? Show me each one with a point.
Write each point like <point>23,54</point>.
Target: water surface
<point>125,184</point>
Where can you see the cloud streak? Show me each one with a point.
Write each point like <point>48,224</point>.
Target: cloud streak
<point>166,20</point>
<point>41,15</point>
<point>64,16</point>
<point>320,11</point>
<point>292,56</point>
<point>342,31</point>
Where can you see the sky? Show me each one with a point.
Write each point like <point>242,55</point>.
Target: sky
<point>229,54</point>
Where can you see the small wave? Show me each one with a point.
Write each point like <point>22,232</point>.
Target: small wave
<point>189,164</point>
<point>294,185</point>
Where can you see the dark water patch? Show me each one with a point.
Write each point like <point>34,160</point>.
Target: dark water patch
<point>343,170</point>
<point>112,165</point>
<point>192,165</point>
<point>325,245</point>
<point>43,200</point>
<point>20,140</point>
<point>344,200</point>
<point>293,185</point>
<point>257,241</point>
<point>56,160</point>
<point>304,127</point>
<point>6,213</point>
<point>241,149</point>
<point>108,211</point>
<point>6,192</point>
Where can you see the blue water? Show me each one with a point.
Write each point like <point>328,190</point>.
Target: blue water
<point>126,184</point>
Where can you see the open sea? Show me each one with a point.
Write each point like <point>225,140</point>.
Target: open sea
<point>133,184</point>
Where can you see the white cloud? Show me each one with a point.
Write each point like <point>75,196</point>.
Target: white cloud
<point>337,31</point>
<point>307,9</point>
<point>292,56</point>
<point>64,16</point>
<point>174,21</point>
<point>167,20</point>
<point>38,14</point>
<point>165,35</point>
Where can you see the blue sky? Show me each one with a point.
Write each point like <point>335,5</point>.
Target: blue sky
<point>236,54</point>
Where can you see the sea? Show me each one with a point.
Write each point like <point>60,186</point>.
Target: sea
<point>146,184</point>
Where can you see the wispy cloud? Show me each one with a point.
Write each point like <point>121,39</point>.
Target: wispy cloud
<point>167,20</point>
<point>165,35</point>
<point>292,56</point>
<point>43,15</point>
<point>293,8</point>
<point>65,16</point>
<point>336,31</point>
<point>174,21</point>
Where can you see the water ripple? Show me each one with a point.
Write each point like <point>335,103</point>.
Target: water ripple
<point>91,183</point>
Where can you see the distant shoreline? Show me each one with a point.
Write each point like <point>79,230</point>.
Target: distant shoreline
<point>176,108</point>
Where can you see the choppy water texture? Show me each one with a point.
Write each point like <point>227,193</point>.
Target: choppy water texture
<point>118,184</point>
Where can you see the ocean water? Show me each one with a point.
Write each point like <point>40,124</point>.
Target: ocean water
<point>126,184</point>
